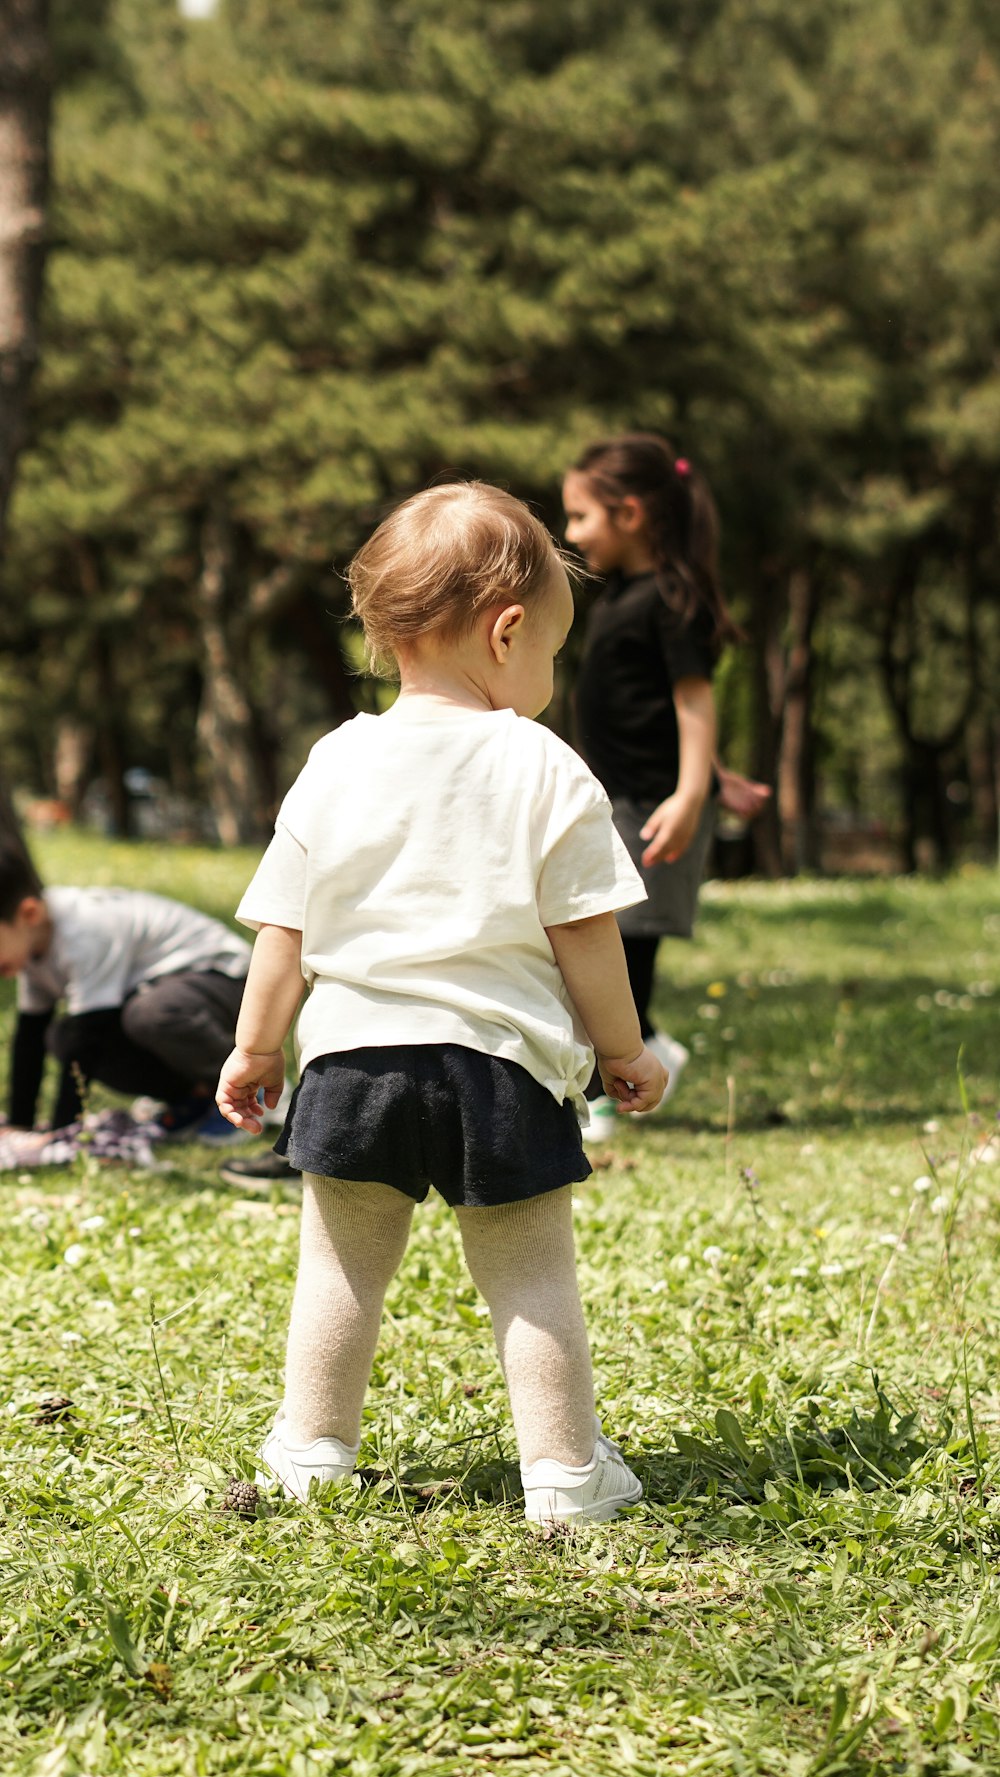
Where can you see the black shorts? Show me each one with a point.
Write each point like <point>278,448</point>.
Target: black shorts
<point>481,1130</point>
<point>671,903</point>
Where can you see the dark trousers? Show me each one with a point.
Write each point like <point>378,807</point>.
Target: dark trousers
<point>640,960</point>
<point>170,1038</point>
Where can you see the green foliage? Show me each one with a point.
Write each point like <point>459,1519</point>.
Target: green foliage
<point>306,259</point>
<point>866,1451</point>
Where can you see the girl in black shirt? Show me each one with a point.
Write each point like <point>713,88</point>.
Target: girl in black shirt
<point>644,519</point>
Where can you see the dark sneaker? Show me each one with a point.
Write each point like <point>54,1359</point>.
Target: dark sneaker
<point>180,1121</point>
<point>258,1172</point>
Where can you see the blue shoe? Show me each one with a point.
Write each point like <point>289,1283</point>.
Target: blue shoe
<point>180,1121</point>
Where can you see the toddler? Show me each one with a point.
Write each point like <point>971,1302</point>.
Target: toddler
<point>445,877</point>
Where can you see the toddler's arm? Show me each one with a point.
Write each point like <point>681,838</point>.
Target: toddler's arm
<point>270,998</point>
<point>671,827</point>
<point>592,961</point>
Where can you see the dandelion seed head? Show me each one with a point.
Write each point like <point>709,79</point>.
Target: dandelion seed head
<point>75,1254</point>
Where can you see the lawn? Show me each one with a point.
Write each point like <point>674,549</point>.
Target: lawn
<point>792,1281</point>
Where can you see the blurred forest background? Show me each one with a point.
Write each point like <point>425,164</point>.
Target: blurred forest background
<point>304,257</point>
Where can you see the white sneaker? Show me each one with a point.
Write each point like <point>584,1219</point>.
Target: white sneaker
<point>293,1466</point>
<point>556,1494</point>
<point>602,1123</point>
<point>675,1058</point>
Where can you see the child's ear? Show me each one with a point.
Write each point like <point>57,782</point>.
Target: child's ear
<point>631,513</point>
<point>31,912</point>
<point>502,631</point>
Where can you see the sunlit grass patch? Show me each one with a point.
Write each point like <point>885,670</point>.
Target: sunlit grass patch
<point>792,1285</point>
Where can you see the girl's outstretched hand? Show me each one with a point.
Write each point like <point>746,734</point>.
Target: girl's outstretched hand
<point>670,830</point>
<point>742,796</point>
<point>638,1082</point>
<point>242,1077</point>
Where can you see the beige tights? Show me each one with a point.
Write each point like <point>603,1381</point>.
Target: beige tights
<point>353,1238</point>
<point>522,1261</point>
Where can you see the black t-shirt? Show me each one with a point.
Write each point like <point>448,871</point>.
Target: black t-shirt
<point>635,651</point>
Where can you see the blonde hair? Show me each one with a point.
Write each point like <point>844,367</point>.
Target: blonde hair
<point>443,558</point>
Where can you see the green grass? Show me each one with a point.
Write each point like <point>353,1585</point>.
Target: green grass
<point>810,1586</point>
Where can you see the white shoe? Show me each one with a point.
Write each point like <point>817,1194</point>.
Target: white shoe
<point>556,1494</point>
<point>675,1058</point>
<point>602,1123</point>
<point>292,1466</point>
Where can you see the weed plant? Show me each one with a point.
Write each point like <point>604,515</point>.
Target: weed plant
<point>791,1280</point>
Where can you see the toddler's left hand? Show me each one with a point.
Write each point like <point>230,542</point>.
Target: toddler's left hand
<point>242,1077</point>
<point>637,1082</point>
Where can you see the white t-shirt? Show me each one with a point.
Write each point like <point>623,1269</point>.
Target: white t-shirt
<point>422,854</point>
<point>106,942</point>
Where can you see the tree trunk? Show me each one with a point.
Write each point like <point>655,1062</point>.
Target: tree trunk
<point>24,128</point>
<point>71,762</point>
<point>796,788</point>
<point>324,653</point>
<point>225,719</point>
<point>927,827</point>
<point>768,668</point>
<point>24,136</point>
<point>111,739</point>
<point>983,744</point>
<point>110,736</point>
<point>11,836</point>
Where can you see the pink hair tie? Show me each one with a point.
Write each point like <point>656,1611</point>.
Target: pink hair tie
<point>682,466</point>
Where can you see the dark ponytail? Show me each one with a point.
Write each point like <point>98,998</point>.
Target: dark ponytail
<point>681,515</point>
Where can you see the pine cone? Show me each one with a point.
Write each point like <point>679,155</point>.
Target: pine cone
<point>240,1497</point>
<point>52,1408</point>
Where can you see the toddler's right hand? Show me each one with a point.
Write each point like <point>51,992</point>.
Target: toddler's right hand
<point>638,1082</point>
<point>242,1077</point>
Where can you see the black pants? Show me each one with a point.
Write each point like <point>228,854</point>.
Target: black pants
<point>640,959</point>
<point>170,1037</point>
